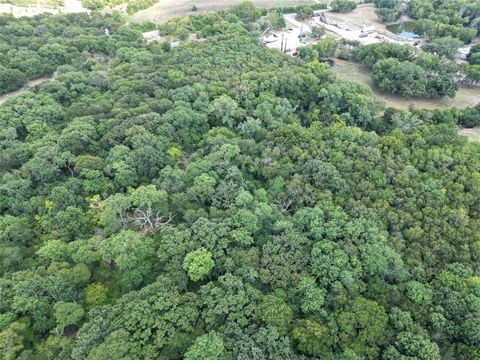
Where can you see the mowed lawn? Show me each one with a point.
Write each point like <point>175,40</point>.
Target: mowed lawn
<point>466,96</point>
<point>164,10</point>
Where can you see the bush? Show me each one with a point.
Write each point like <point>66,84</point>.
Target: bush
<point>446,46</point>
<point>388,15</point>
<point>470,117</point>
<point>94,4</point>
<point>343,5</point>
<point>473,56</point>
<point>137,5</point>
<point>304,12</point>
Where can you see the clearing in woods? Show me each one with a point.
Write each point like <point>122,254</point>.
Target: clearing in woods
<point>466,96</point>
<point>164,10</point>
<point>472,134</point>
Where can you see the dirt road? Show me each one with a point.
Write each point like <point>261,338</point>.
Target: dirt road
<point>27,87</point>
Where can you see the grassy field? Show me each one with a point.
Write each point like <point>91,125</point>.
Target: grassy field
<point>466,96</point>
<point>164,10</point>
<point>472,134</point>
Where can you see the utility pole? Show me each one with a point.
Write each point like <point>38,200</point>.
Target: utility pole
<point>281,45</point>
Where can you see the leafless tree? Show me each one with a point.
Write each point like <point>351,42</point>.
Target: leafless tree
<point>284,205</point>
<point>147,220</point>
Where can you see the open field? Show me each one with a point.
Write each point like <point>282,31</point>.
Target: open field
<point>164,10</point>
<point>69,6</point>
<point>472,134</point>
<point>466,96</point>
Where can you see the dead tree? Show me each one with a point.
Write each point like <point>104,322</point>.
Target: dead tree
<point>147,220</point>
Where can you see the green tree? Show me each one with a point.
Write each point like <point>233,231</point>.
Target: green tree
<point>403,78</point>
<point>14,339</point>
<point>275,312</point>
<point>198,264</point>
<point>445,46</point>
<point>223,109</point>
<point>362,327</point>
<point>343,5</point>
<point>312,297</point>
<point>10,79</point>
<point>312,337</point>
<point>95,294</point>
<point>411,345</point>
<point>388,15</point>
<point>246,11</point>
<point>206,347</point>
<point>67,314</point>
<point>229,300</point>
<point>130,253</point>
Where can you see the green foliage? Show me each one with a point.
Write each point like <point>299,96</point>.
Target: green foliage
<point>371,54</point>
<point>428,75</point>
<point>67,314</point>
<point>95,294</point>
<point>246,11</point>
<point>131,253</point>
<point>434,30</point>
<point>206,347</point>
<point>312,297</point>
<point>388,10</point>
<point>94,4</point>
<point>326,47</point>
<point>362,327</point>
<point>404,78</point>
<point>474,55</point>
<point>198,264</point>
<point>312,338</point>
<point>273,311</point>
<point>217,199</point>
<point>134,6</point>
<point>411,345</point>
<point>388,15</point>
<point>343,5</point>
<point>10,79</point>
<point>445,46</point>
<point>304,12</point>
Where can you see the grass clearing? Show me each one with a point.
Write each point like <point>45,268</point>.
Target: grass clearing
<point>472,134</point>
<point>466,96</point>
<point>165,10</point>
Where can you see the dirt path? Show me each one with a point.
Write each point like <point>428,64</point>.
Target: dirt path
<point>27,87</point>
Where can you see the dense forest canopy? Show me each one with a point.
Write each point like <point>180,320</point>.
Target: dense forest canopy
<point>220,200</point>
